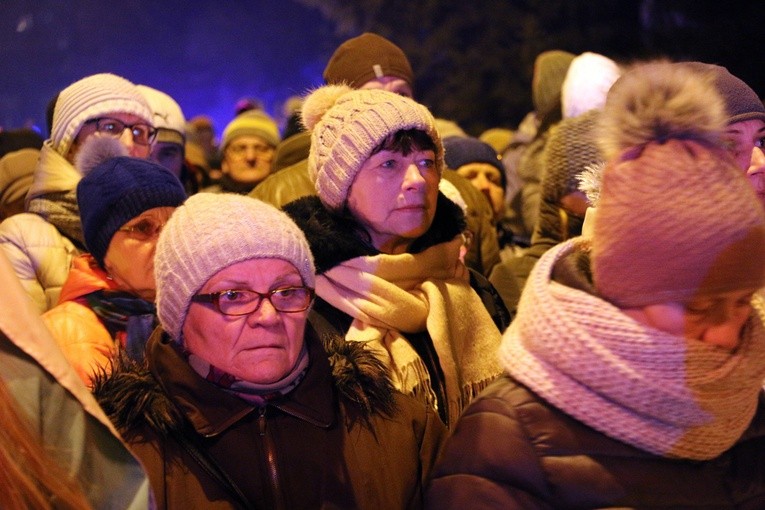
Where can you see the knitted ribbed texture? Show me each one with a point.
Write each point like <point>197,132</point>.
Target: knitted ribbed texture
<point>741,102</point>
<point>90,98</point>
<point>347,125</point>
<point>673,222</point>
<point>661,393</point>
<point>167,116</point>
<point>251,123</point>
<point>118,190</point>
<point>570,148</point>
<point>212,231</point>
<point>676,217</point>
<point>361,59</point>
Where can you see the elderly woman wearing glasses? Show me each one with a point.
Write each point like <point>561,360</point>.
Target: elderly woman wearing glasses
<point>239,403</point>
<point>106,302</point>
<point>42,242</point>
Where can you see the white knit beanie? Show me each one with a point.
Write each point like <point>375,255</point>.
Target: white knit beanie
<point>588,79</point>
<point>167,115</point>
<point>90,98</point>
<point>212,231</point>
<point>347,125</point>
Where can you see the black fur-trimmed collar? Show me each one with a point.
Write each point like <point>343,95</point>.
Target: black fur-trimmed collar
<point>334,239</point>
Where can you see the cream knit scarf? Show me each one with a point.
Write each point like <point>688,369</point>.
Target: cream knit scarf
<point>658,392</point>
<point>392,295</point>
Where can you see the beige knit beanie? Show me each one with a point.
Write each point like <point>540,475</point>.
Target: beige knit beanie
<point>676,217</point>
<point>90,98</point>
<point>347,125</point>
<point>212,231</point>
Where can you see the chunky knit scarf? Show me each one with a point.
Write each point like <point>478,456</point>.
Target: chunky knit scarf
<point>658,392</point>
<point>391,295</point>
<point>61,210</point>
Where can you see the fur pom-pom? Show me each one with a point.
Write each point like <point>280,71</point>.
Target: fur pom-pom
<point>95,150</point>
<point>590,180</point>
<point>657,101</point>
<point>318,102</point>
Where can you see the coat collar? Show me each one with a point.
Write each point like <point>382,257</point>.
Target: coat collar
<point>212,411</point>
<point>333,240</point>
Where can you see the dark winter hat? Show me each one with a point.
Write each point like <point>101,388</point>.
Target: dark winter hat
<point>550,68</point>
<point>741,102</point>
<point>365,58</point>
<point>461,150</point>
<point>117,190</point>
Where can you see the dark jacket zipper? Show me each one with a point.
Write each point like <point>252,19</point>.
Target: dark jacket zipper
<point>273,471</point>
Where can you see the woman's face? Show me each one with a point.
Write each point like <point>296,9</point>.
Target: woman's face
<point>394,197</point>
<point>134,149</point>
<point>741,138</point>
<point>129,259</point>
<point>716,320</point>
<point>261,347</point>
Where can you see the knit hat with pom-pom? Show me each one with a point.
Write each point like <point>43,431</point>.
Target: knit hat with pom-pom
<point>347,125</point>
<point>116,188</point>
<point>196,244</point>
<point>676,218</point>
<point>90,98</point>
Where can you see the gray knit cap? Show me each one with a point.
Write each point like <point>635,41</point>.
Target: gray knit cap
<point>211,232</point>
<point>347,125</point>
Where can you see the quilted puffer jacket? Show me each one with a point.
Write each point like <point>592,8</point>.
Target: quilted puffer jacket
<point>512,450</point>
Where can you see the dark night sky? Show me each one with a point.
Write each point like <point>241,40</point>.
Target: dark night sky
<point>206,56</point>
<point>210,54</point>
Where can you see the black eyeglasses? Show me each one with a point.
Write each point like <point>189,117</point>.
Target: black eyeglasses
<point>143,134</point>
<point>245,302</point>
<point>144,229</point>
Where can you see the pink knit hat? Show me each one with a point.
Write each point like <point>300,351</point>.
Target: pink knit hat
<point>346,125</point>
<point>676,218</point>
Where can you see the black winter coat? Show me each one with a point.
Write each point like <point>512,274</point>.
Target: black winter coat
<point>512,450</point>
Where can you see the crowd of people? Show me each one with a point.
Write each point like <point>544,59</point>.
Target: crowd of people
<point>369,308</point>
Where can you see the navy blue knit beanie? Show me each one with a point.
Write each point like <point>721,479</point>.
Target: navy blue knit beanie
<point>118,190</point>
<point>461,150</point>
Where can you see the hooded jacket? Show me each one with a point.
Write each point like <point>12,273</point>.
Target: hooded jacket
<point>343,438</point>
<point>34,243</point>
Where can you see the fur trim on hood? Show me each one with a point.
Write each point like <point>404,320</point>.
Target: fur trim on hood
<point>335,239</point>
<point>131,396</point>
